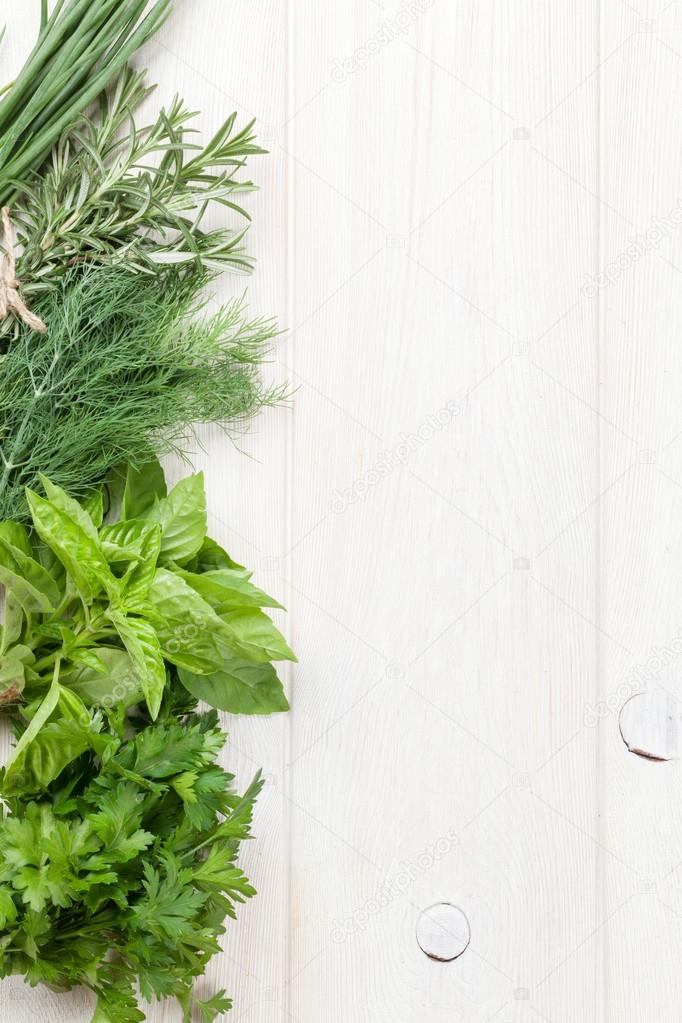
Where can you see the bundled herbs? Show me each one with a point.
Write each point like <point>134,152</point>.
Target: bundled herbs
<point>122,366</point>
<point>122,874</point>
<point>119,831</point>
<point>118,856</point>
<point>93,605</point>
<point>120,194</point>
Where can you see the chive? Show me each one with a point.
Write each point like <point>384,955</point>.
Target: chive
<point>81,46</point>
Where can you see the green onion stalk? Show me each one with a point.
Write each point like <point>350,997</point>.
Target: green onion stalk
<point>81,46</point>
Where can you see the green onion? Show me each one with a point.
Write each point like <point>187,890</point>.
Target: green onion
<point>82,45</point>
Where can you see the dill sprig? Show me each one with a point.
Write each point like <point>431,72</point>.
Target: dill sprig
<point>126,364</point>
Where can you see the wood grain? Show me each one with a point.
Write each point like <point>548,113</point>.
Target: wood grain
<point>468,223</point>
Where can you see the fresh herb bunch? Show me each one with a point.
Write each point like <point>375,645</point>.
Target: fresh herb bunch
<point>132,196</point>
<point>121,874</point>
<point>82,45</point>
<point>125,363</point>
<point>119,832</point>
<point>104,612</point>
<point>117,860</point>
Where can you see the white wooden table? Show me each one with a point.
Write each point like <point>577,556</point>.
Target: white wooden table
<point>473,510</point>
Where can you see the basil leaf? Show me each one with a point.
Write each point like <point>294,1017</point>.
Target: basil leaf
<point>94,506</point>
<point>80,554</point>
<point>124,541</point>
<point>59,732</point>
<point>188,628</point>
<point>239,687</point>
<point>137,580</point>
<point>31,584</point>
<point>143,487</point>
<point>211,556</point>
<point>113,680</point>
<point>75,511</point>
<point>12,677</point>
<point>254,637</point>
<point>142,643</point>
<point>89,659</point>
<point>49,560</point>
<point>182,517</point>
<point>16,534</point>
<point>226,590</point>
<point>12,621</point>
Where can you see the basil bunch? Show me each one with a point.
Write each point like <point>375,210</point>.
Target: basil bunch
<point>108,610</point>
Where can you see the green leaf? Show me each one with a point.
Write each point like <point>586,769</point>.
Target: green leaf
<point>31,584</point>
<point>188,628</point>
<point>8,911</point>
<point>117,1004</point>
<point>12,621</point>
<point>94,506</point>
<point>211,1008</point>
<point>58,733</point>
<point>182,517</point>
<point>167,749</point>
<point>126,541</point>
<point>89,659</point>
<point>218,872</point>
<point>119,682</point>
<point>17,535</point>
<point>13,673</point>
<point>170,903</point>
<point>254,637</point>
<point>74,545</point>
<point>143,487</point>
<point>227,590</point>
<point>137,580</point>
<point>117,822</point>
<point>140,640</point>
<point>75,511</point>
<point>211,557</point>
<point>239,688</point>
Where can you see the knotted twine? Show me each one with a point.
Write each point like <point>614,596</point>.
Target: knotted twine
<point>10,299</point>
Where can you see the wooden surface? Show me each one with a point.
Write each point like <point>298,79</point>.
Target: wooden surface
<point>473,511</point>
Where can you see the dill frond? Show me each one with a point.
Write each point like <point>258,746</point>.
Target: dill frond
<point>127,363</point>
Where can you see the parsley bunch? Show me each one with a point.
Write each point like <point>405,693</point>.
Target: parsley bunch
<point>122,873</point>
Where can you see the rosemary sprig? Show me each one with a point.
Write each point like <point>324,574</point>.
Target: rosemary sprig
<point>113,192</point>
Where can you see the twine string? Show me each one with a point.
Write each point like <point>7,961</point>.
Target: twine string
<point>10,299</point>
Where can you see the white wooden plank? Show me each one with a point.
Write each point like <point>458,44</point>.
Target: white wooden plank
<point>221,63</point>
<point>641,582</point>
<point>438,250</point>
